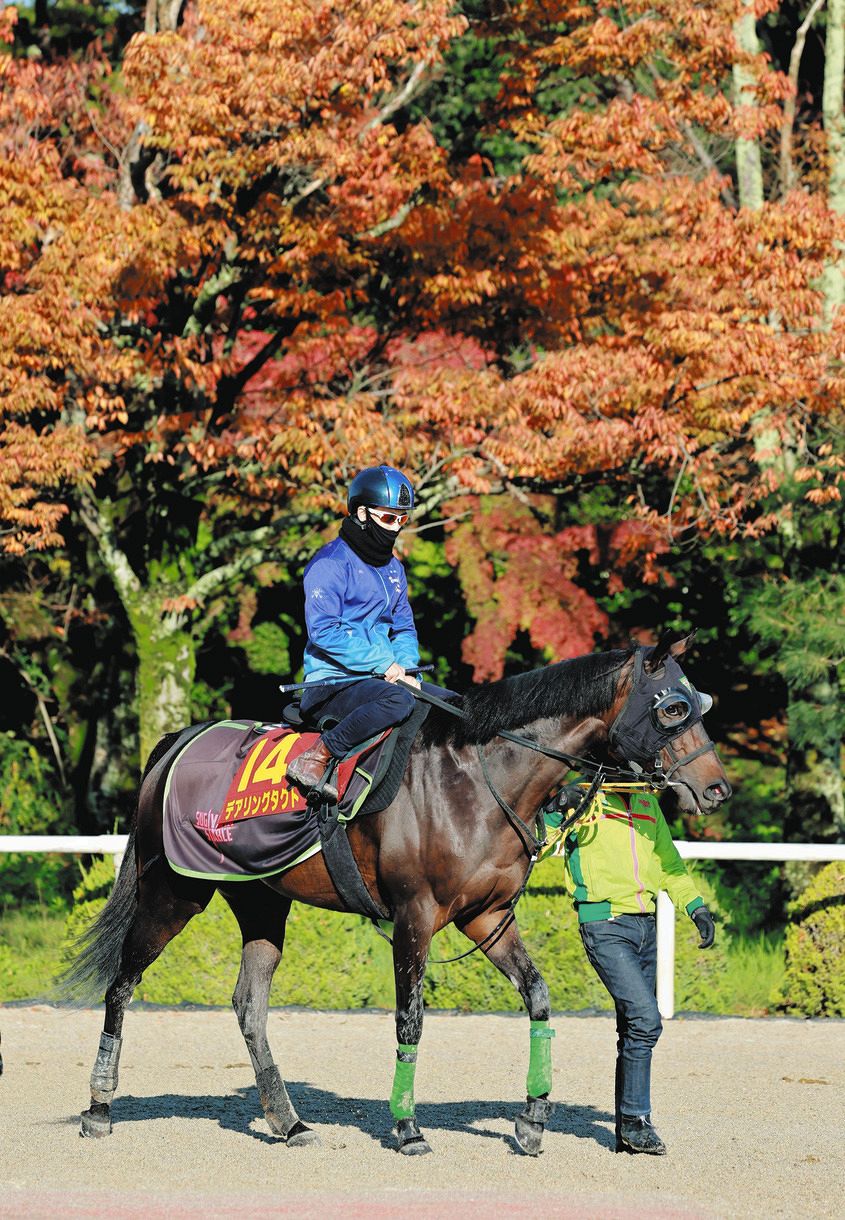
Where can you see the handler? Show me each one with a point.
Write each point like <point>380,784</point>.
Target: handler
<point>615,861</point>
<point>359,622</point>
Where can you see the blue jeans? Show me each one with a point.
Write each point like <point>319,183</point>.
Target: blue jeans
<point>363,709</point>
<point>623,953</point>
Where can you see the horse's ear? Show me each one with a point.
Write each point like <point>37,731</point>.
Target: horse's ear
<point>671,643</point>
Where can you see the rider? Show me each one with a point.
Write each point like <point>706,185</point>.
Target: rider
<point>615,861</point>
<point>359,621</point>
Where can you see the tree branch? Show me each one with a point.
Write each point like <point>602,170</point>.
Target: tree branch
<point>253,554</point>
<point>409,90</point>
<point>787,169</point>
<point>117,564</point>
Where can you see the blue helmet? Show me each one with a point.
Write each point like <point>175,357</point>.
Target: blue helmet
<point>380,487</point>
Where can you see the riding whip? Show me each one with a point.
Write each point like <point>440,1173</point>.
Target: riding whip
<point>352,677</point>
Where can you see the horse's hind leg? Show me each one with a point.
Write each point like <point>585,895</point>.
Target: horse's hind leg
<point>166,902</point>
<point>261,914</point>
<point>508,954</point>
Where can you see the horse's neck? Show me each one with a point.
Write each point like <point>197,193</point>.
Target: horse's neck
<point>527,775</point>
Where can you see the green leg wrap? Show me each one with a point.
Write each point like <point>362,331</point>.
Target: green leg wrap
<point>539,1080</point>
<point>402,1097</point>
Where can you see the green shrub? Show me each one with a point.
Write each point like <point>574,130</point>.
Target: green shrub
<point>814,983</point>
<point>32,802</point>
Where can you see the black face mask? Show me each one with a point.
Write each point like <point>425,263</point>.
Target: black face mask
<point>642,728</point>
<point>369,540</point>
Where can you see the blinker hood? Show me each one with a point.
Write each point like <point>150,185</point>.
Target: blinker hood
<point>636,734</point>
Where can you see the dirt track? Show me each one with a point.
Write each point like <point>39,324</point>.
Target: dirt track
<point>753,1113</point>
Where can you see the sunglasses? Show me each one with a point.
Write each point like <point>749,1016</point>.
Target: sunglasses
<point>386,517</point>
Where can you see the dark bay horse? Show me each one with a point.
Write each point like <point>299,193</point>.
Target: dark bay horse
<point>443,852</point>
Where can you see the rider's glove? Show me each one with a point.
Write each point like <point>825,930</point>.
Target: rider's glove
<point>703,920</point>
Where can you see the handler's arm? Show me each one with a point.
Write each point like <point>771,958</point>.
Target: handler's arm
<point>675,879</point>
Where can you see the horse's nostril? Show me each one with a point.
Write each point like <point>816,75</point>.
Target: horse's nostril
<point>718,792</point>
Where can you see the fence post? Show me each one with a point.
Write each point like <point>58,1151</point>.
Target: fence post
<point>665,955</point>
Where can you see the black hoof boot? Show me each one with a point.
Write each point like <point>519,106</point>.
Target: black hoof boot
<point>96,1122</point>
<point>410,1141</point>
<point>301,1136</point>
<point>638,1135</point>
<point>531,1123</point>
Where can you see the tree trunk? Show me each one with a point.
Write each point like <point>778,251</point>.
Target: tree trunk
<point>749,166</point>
<point>165,641</point>
<point>165,674</point>
<point>814,772</point>
<point>834,126</point>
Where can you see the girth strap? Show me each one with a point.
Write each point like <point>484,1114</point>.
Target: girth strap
<point>342,866</point>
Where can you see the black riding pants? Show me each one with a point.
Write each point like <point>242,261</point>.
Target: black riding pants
<point>363,709</point>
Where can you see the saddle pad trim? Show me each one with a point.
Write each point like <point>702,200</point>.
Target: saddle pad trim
<point>362,796</point>
<point>186,872</point>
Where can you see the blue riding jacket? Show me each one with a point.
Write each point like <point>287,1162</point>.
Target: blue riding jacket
<point>358,616</point>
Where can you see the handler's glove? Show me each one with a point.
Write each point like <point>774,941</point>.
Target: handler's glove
<point>703,920</point>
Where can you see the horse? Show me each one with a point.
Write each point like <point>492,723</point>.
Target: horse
<point>452,847</point>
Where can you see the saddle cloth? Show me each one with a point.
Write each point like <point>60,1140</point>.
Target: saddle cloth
<point>229,813</point>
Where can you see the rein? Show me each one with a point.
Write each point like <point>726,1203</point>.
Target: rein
<point>586,765</point>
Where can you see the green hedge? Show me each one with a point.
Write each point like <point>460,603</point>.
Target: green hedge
<point>336,961</point>
<point>814,983</point>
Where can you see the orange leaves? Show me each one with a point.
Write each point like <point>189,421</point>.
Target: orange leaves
<point>277,86</point>
<point>34,462</point>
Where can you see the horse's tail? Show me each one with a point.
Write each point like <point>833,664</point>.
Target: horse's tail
<point>99,948</point>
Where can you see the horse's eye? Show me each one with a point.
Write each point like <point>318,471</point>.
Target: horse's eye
<point>672,713</point>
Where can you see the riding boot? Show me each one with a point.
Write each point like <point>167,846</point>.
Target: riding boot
<point>308,769</point>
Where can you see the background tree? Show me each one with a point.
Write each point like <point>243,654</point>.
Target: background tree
<point>283,248</point>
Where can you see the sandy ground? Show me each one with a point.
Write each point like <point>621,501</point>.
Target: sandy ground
<point>753,1112</point>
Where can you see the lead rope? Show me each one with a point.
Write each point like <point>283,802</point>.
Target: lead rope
<point>515,820</point>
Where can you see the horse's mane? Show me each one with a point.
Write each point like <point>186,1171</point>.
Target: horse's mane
<point>584,686</point>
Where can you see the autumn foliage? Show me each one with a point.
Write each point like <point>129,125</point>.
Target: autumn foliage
<point>249,268</point>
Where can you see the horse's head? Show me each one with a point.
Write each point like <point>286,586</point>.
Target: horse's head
<point>657,728</point>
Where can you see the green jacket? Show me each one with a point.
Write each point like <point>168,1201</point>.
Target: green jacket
<point>620,855</point>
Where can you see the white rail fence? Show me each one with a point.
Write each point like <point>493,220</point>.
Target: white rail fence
<point>115,846</point>
<point>772,852</point>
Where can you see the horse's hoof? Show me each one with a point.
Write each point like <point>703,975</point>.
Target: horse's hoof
<point>531,1124</point>
<point>410,1141</point>
<point>301,1136</point>
<point>529,1136</point>
<point>418,1147</point>
<point>95,1124</point>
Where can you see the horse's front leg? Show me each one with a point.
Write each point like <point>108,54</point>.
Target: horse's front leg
<point>412,932</point>
<point>508,954</point>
